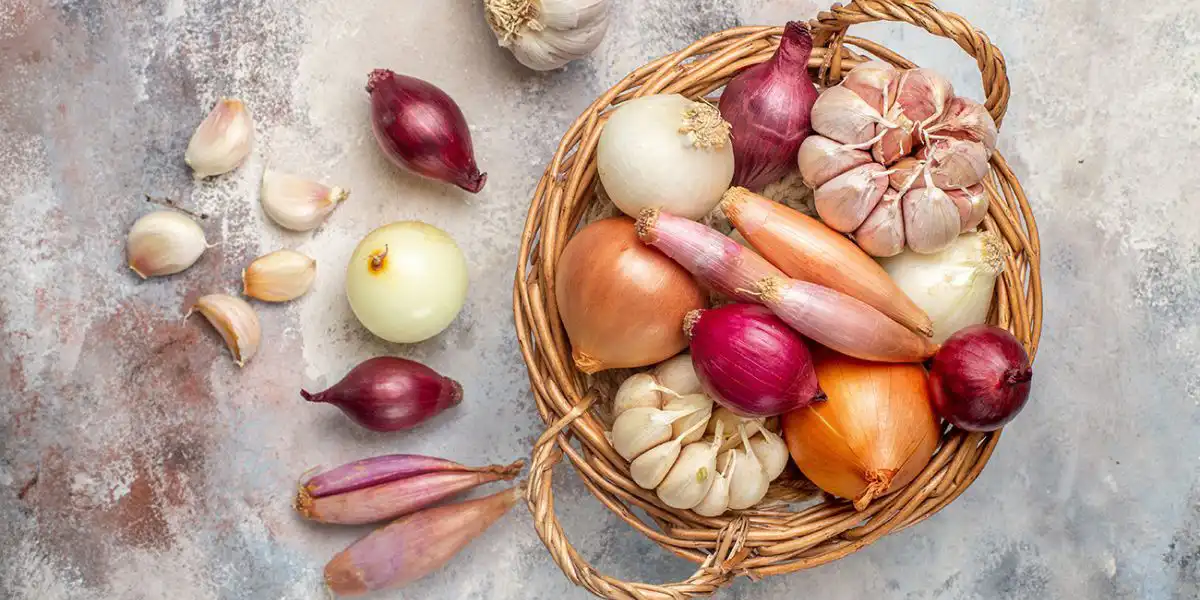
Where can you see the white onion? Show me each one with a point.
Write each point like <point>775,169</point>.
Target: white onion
<point>667,152</point>
<point>406,281</point>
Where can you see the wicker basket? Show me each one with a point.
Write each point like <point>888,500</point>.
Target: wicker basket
<point>773,538</point>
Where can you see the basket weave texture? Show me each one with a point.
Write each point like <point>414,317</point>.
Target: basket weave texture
<point>774,537</point>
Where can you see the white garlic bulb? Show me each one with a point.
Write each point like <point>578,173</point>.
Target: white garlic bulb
<point>222,140</point>
<point>164,242</point>
<point>547,34</point>
<point>297,203</point>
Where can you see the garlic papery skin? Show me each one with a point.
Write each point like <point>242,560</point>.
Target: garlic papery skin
<point>279,276</point>
<point>164,242</point>
<point>547,34</point>
<point>954,287</point>
<point>235,320</point>
<point>297,203</point>
<point>222,140</point>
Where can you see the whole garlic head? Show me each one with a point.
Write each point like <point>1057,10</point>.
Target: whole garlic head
<point>547,34</point>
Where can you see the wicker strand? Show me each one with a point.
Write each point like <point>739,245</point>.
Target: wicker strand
<point>775,537</point>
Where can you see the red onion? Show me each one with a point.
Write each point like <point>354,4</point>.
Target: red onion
<point>768,107</point>
<point>750,361</point>
<point>387,393</point>
<point>421,128</point>
<point>980,378</point>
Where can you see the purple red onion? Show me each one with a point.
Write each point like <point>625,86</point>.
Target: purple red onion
<point>388,393</point>
<point>768,107</point>
<point>749,361</point>
<point>420,128</point>
<point>980,378</point>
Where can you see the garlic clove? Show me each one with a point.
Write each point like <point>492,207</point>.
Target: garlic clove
<point>678,375</point>
<point>297,203</point>
<point>956,163</point>
<point>638,390</point>
<point>222,140</point>
<point>972,204</point>
<point>843,116</point>
<point>845,201</point>
<point>749,482</point>
<point>279,276</point>
<point>821,159</point>
<point>649,469</point>
<point>772,451</point>
<point>931,219</point>
<point>164,242</point>
<point>640,429</point>
<point>690,478</point>
<point>716,501</point>
<point>702,406</point>
<point>882,234</point>
<point>235,320</point>
<point>870,81</point>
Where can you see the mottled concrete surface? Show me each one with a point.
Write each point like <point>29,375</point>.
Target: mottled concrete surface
<point>136,461</point>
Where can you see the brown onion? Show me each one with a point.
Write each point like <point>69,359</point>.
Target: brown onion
<point>875,433</point>
<point>622,302</point>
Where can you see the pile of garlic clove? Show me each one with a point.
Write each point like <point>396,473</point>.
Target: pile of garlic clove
<point>675,439</point>
<point>897,159</point>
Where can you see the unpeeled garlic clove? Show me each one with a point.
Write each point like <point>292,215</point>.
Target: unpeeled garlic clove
<point>956,163</point>
<point>222,140</point>
<point>640,429</point>
<point>690,478</point>
<point>235,320</point>
<point>639,390</point>
<point>772,451</point>
<point>702,407</point>
<point>931,219</point>
<point>972,205</point>
<point>845,201</point>
<point>297,203</point>
<point>882,234</point>
<point>279,276</point>
<point>716,501</point>
<point>749,483</point>
<point>821,159</point>
<point>649,469</point>
<point>678,375</point>
<point>164,242</point>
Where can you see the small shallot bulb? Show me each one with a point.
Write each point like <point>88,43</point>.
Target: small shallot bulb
<point>222,141</point>
<point>640,429</point>
<point>772,451</point>
<point>678,375</point>
<point>692,475</point>
<point>235,320</point>
<point>716,501</point>
<point>702,406</point>
<point>297,203</point>
<point>279,276</point>
<point>649,469</point>
<point>164,242</point>
<point>749,482</point>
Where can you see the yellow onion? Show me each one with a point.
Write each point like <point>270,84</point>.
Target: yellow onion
<point>874,434</point>
<point>622,302</point>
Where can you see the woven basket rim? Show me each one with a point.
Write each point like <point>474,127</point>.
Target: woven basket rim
<point>771,541</point>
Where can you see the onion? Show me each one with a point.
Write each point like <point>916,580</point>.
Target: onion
<point>980,378</point>
<point>667,152</point>
<point>420,128</point>
<point>621,301</point>
<point>750,361</point>
<point>387,393</point>
<point>406,281</point>
<point>768,108</point>
<point>874,434</point>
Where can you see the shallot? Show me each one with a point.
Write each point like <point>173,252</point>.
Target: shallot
<point>980,379</point>
<point>388,393</point>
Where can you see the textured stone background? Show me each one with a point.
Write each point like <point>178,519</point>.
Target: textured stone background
<point>136,461</point>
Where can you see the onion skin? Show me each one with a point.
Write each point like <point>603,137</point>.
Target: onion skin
<point>768,107</point>
<point>750,361</point>
<point>414,546</point>
<point>622,303</point>
<point>387,393</point>
<point>805,249</point>
<point>874,435</point>
<point>980,379</point>
<point>420,128</point>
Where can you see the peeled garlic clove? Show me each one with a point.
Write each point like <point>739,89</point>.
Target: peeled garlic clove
<point>692,475</point>
<point>845,201</point>
<point>870,81</point>
<point>956,163</point>
<point>931,219</point>
<point>822,159</point>
<point>882,234</point>
<point>972,205</point>
<point>678,375</point>
<point>640,429</point>
<point>771,451</point>
<point>235,320</point>
<point>222,141</point>
<point>843,116</point>
<point>547,34</point>
<point>297,203</point>
<point>649,469</point>
<point>701,407</point>
<point>716,501</point>
<point>164,242</point>
<point>748,484</point>
<point>279,276</point>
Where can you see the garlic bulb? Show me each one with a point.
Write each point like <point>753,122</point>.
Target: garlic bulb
<point>772,451</point>
<point>640,429</point>
<point>702,407</point>
<point>279,276</point>
<point>692,475</point>
<point>235,320</point>
<point>678,375</point>
<point>955,285</point>
<point>547,34</point>
<point>297,203</point>
<point>649,469</point>
<point>222,141</point>
<point>716,501</point>
<point>164,242</point>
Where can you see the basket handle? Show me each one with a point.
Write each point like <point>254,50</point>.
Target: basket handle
<point>829,28</point>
